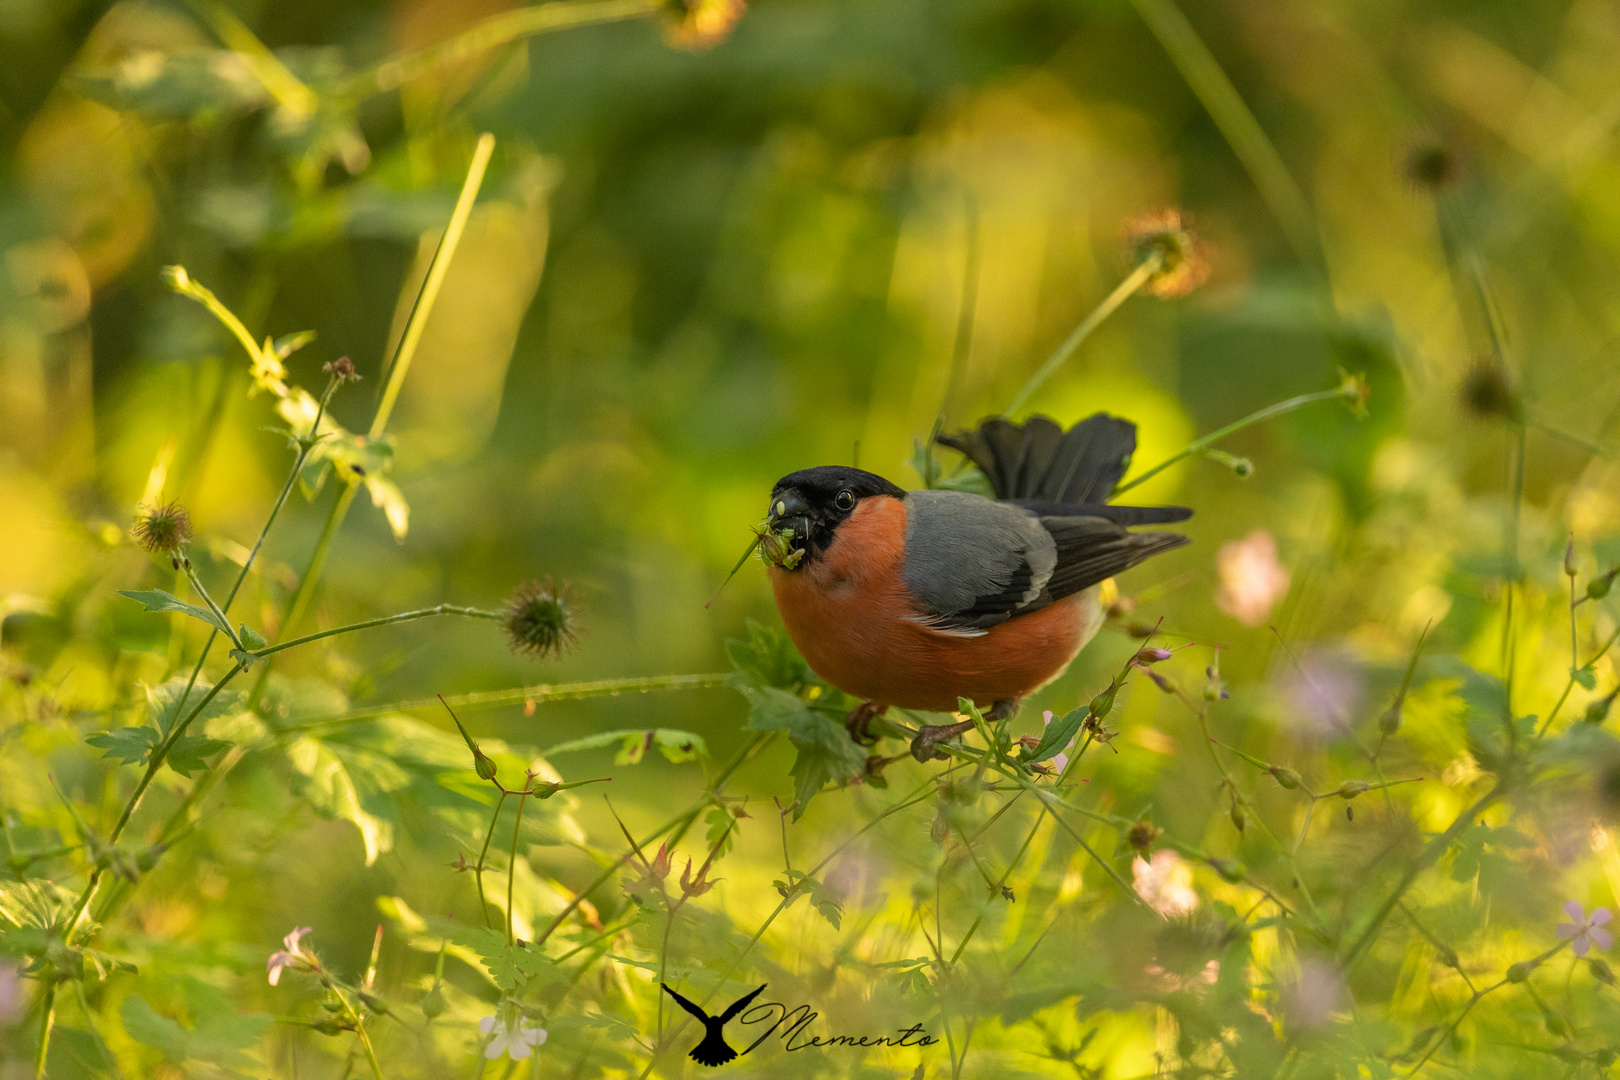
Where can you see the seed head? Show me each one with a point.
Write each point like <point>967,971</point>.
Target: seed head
<point>1488,391</point>
<point>700,24</point>
<point>1432,165</point>
<point>1143,835</point>
<point>164,528</point>
<point>341,369</point>
<point>1183,265</point>
<point>540,620</point>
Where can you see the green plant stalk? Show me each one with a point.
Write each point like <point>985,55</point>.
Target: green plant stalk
<point>1570,684</point>
<point>478,871</point>
<point>403,354</point>
<point>917,795</point>
<point>1435,848</point>
<point>387,620</point>
<point>304,447</point>
<point>46,1019</point>
<point>1122,292</point>
<point>677,824</point>
<point>492,33</point>
<point>1200,445</point>
<point>523,694</point>
<point>197,586</point>
<point>511,866</point>
<point>1243,132</point>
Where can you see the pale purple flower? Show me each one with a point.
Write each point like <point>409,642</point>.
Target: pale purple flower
<point>517,1041</point>
<point>1321,693</point>
<point>292,955</point>
<point>1252,580</point>
<point>1165,884</point>
<point>1586,930</point>
<point>12,1005</point>
<point>1314,996</point>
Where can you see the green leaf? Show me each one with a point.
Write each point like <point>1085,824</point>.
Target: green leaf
<point>721,830</point>
<point>1056,736</point>
<point>1585,676</point>
<point>251,638</point>
<point>164,706</point>
<point>826,752</point>
<point>158,600</point>
<point>246,659</point>
<point>328,787</point>
<point>145,1025</point>
<point>768,658</point>
<point>291,343</point>
<point>676,745</point>
<point>824,899</point>
<point>189,753</point>
<point>129,745</point>
<point>511,966</point>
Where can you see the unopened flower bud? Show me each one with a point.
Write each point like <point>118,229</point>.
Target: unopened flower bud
<point>1519,972</point>
<point>1285,776</point>
<point>1351,788</point>
<point>1569,556</point>
<point>1230,869</point>
<point>1142,835</point>
<point>1598,710</point>
<point>484,764</point>
<point>433,1003</point>
<point>1601,971</point>
<point>1599,587</point>
<point>1152,656</point>
<point>1390,722</point>
<point>374,1003</point>
<point>1240,819</point>
<point>1103,702</point>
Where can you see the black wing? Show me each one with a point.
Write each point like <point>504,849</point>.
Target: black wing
<point>1039,460</point>
<point>740,1004</point>
<point>1089,550</point>
<point>687,1005</point>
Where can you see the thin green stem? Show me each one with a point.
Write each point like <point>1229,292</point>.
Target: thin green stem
<point>1200,445</point>
<point>1236,122</point>
<point>387,620</point>
<point>1122,292</point>
<point>197,586</point>
<point>522,695</point>
<point>491,34</point>
<point>478,870</point>
<point>511,866</point>
<point>46,1019</point>
<point>1570,684</point>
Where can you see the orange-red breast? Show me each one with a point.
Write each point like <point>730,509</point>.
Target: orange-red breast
<point>915,599</point>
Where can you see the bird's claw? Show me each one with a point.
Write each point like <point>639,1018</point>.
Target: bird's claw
<point>860,716</point>
<point>922,747</point>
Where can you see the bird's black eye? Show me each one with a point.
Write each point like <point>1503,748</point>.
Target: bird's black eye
<point>844,500</point>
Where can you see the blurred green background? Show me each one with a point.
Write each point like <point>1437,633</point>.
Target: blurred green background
<point>692,270</point>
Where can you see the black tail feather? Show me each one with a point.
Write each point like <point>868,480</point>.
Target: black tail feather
<point>1037,460</point>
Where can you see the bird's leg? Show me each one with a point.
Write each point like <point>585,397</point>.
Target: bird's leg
<point>922,747</point>
<point>861,715</point>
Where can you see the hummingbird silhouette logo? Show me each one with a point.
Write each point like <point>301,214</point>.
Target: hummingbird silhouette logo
<point>713,1050</point>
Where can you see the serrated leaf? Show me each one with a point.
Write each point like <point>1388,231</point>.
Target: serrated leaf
<point>164,707</point>
<point>250,637</point>
<point>189,753</point>
<point>768,658</point>
<point>246,659</point>
<point>158,600</point>
<point>129,745</point>
<point>1058,734</point>
<point>510,966</point>
<point>825,901</point>
<point>826,752</point>
<point>721,830</point>
<point>1585,676</point>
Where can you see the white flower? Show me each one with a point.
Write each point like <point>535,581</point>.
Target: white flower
<point>1165,884</point>
<point>518,1042</point>
<point>292,955</point>
<point>1586,930</point>
<point>1252,580</point>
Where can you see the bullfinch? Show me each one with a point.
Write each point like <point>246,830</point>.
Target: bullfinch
<point>914,599</point>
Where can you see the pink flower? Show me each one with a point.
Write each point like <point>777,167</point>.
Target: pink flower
<point>1314,996</point>
<point>517,1041</point>
<point>1586,930</point>
<point>293,955</point>
<point>12,1005</point>
<point>1252,580</point>
<point>1165,884</point>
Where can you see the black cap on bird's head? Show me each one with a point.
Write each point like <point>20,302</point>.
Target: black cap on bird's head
<point>806,506</point>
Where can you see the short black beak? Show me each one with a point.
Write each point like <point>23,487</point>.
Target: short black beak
<point>786,505</point>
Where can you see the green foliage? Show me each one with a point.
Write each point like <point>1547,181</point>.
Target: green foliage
<point>158,600</point>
